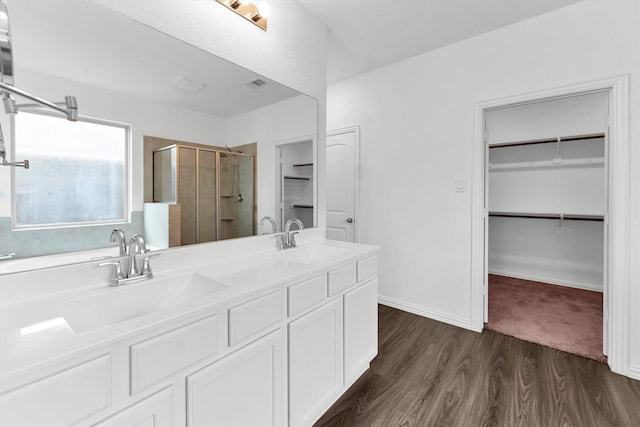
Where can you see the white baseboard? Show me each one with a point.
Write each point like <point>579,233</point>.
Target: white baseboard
<point>633,371</point>
<point>559,282</point>
<point>427,312</point>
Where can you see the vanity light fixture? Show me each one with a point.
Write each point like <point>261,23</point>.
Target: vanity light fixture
<point>249,11</point>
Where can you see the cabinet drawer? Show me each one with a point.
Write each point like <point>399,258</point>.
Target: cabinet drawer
<point>158,358</point>
<point>65,398</point>
<point>257,315</point>
<point>306,294</point>
<point>367,268</point>
<point>342,278</point>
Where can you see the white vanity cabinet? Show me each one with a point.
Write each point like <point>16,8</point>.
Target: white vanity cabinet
<point>332,344</point>
<point>277,353</point>
<point>244,389</point>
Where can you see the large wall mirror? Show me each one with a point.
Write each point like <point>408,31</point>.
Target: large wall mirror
<point>210,147</point>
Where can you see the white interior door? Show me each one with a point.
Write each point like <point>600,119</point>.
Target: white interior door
<point>342,183</point>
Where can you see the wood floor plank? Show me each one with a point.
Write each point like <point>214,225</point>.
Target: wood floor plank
<point>431,374</point>
<point>526,407</point>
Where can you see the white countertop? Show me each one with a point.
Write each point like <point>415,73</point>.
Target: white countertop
<point>33,331</point>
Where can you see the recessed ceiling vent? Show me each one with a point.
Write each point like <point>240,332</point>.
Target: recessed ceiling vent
<point>257,83</point>
<point>187,85</point>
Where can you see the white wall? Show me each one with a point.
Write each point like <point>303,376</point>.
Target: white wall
<point>292,51</point>
<point>417,123</point>
<point>567,253</point>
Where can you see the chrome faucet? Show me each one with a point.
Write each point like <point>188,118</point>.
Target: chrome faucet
<point>289,237</point>
<point>118,236</point>
<point>137,246</point>
<point>273,223</point>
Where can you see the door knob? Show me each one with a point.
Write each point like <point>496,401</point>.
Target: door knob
<point>349,220</point>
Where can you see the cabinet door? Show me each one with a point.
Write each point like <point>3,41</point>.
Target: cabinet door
<point>360,330</point>
<point>243,389</point>
<point>154,411</point>
<point>315,362</point>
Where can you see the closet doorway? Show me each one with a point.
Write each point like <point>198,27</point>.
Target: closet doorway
<point>546,193</point>
<point>550,200</point>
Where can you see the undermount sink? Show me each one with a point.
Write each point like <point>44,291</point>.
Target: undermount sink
<point>134,300</point>
<point>310,254</point>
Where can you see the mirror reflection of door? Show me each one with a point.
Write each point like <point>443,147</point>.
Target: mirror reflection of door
<point>342,183</point>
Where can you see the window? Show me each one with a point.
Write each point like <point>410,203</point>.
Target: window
<point>77,175</point>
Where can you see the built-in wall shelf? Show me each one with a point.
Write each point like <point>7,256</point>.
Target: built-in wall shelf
<point>577,217</point>
<point>300,165</point>
<point>298,177</point>
<point>301,206</point>
<point>593,161</point>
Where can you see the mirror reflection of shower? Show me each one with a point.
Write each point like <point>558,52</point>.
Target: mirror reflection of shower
<point>211,192</point>
<point>236,195</point>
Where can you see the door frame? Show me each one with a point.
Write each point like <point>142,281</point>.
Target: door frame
<point>356,175</point>
<point>617,245</point>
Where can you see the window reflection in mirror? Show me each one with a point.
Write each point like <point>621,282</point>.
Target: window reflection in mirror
<point>79,171</point>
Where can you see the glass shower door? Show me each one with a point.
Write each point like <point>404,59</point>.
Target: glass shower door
<point>236,196</point>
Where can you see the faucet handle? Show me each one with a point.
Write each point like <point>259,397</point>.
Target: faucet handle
<point>146,267</point>
<point>118,271</point>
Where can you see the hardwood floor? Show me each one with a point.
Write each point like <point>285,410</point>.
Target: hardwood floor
<point>429,373</point>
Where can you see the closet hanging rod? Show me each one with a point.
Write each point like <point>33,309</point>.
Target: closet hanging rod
<point>547,140</point>
<point>547,216</point>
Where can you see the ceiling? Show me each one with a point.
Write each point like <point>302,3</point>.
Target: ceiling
<point>368,34</point>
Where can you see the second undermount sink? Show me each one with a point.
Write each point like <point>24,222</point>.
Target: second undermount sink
<point>309,254</point>
<point>126,302</point>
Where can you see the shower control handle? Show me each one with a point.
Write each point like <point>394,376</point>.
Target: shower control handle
<point>349,220</point>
